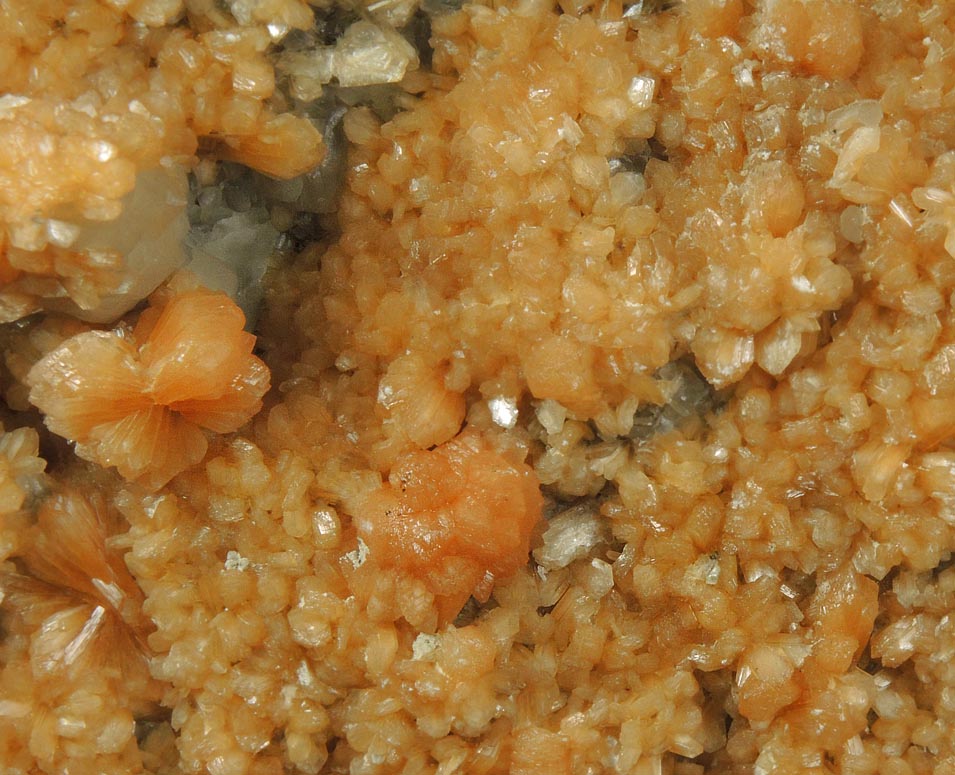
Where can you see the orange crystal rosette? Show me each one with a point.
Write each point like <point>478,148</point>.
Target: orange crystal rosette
<point>141,401</point>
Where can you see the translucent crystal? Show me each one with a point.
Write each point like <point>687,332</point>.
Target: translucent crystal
<point>851,222</point>
<point>867,113</point>
<point>148,235</point>
<point>233,255</point>
<point>687,395</point>
<point>309,71</point>
<point>861,144</point>
<point>367,54</point>
<point>571,535</point>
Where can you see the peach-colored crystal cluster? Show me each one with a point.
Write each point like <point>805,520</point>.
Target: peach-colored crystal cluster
<point>613,433</point>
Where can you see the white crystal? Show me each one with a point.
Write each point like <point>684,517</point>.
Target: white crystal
<point>395,13</point>
<point>712,576</point>
<point>345,362</point>
<point>28,235</point>
<point>503,411</point>
<point>743,73</point>
<point>900,211</point>
<point>756,571</point>
<point>103,151</point>
<point>551,415</point>
<point>802,283</point>
<point>62,233</point>
<point>865,113</point>
<point>569,536</point>
<point>10,102</point>
<point>851,222</point>
<point>641,91</point>
<point>570,131</point>
<point>304,674</point>
<point>424,646</point>
<point>13,709</point>
<point>135,106</point>
<point>277,30</point>
<point>862,143</point>
<point>111,591</point>
<point>368,54</point>
<point>358,556</point>
<point>78,645</point>
<point>602,580</point>
<point>235,561</point>
<point>309,71</point>
<point>385,394</point>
